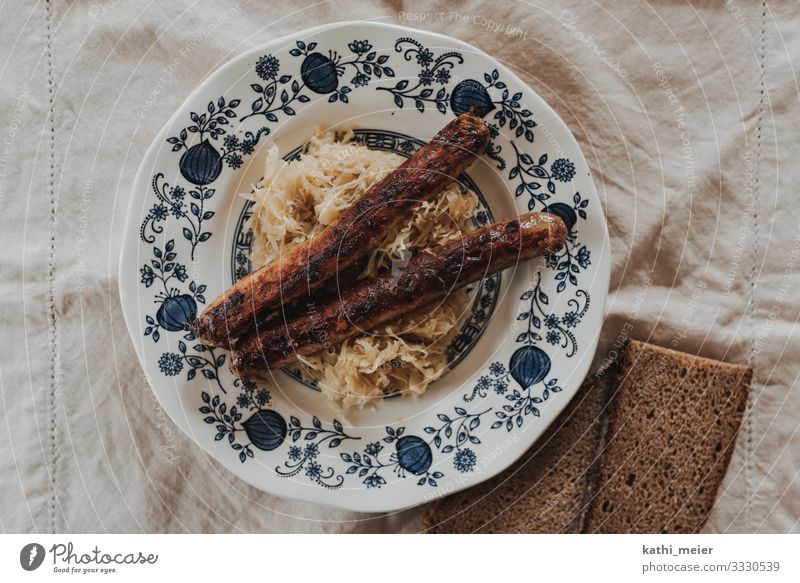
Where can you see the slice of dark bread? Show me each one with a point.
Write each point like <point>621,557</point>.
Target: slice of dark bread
<point>670,435</point>
<point>546,490</point>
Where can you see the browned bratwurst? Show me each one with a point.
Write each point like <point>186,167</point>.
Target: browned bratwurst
<point>359,229</point>
<point>427,277</point>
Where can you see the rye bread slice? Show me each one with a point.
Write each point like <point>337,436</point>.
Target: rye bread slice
<point>670,436</point>
<point>546,490</point>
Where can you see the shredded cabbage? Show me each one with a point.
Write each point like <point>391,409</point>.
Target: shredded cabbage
<point>294,202</point>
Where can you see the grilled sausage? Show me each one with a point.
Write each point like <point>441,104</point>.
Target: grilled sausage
<point>427,277</point>
<point>359,229</point>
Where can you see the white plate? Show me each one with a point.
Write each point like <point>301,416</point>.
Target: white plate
<point>532,330</point>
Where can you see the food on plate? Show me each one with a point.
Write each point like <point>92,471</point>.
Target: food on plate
<point>296,200</point>
<point>358,230</point>
<point>427,277</point>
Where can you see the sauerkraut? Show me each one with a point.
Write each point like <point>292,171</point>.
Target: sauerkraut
<point>294,201</point>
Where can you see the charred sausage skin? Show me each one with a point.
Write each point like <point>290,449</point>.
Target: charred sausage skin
<point>359,229</point>
<point>427,277</point>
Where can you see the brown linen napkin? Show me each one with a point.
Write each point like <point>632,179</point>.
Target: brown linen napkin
<point>671,430</point>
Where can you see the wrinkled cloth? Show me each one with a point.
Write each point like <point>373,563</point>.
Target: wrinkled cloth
<point>688,115</point>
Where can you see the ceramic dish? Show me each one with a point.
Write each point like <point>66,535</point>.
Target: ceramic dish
<point>524,348</point>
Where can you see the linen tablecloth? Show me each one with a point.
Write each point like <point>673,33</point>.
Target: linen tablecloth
<point>688,114</point>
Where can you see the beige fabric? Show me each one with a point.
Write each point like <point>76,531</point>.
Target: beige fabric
<point>695,160</point>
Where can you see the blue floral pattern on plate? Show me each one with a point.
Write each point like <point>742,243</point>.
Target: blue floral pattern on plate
<point>555,316</point>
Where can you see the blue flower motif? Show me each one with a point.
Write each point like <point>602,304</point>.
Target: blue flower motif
<point>500,386</point>
<point>247,147</point>
<point>180,272</point>
<point>571,319</point>
<point>497,369</point>
<point>313,470</point>
<point>374,481</point>
<point>263,397</point>
<point>170,364</point>
<point>443,76</point>
<point>244,401</point>
<point>359,80</point>
<point>295,453</point>
<point>159,212</point>
<point>582,257</point>
<point>267,67</point>
<point>231,141</point>
<point>373,448</point>
<point>234,160</point>
<point>360,46</point>
<point>553,337</point>
<point>481,217</point>
<point>424,57</point>
<point>177,211</point>
<point>407,146</point>
<point>426,77</point>
<point>464,460</point>
<point>494,131</point>
<point>551,320</point>
<point>148,275</point>
<point>311,451</point>
<point>490,284</point>
<point>483,383</point>
<point>178,193</point>
<point>562,170</point>
<point>248,385</point>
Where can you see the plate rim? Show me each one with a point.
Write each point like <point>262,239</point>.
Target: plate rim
<point>314,495</point>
